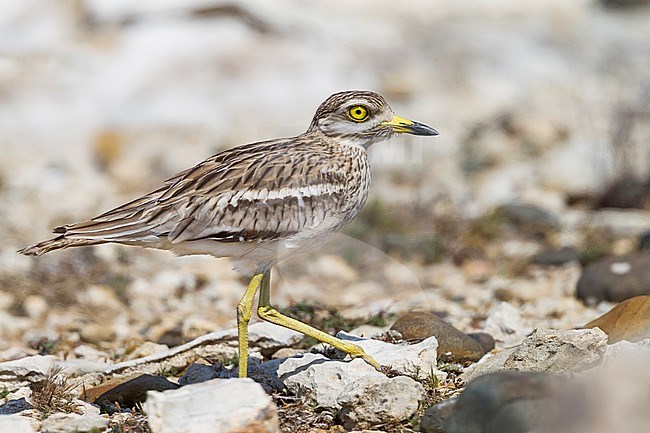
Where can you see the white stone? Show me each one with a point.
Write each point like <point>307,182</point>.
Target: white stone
<point>12,327</point>
<point>264,335</point>
<point>13,353</point>
<point>360,394</point>
<point>37,334</point>
<point>554,351</point>
<point>322,379</point>
<point>624,221</point>
<point>148,348</point>
<point>23,392</point>
<point>519,248</point>
<point>90,354</point>
<point>400,275</point>
<point>6,300</point>
<point>334,268</point>
<point>33,369</point>
<point>408,359</point>
<point>376,401</point>
<point>368,331</point>
<point>625,351</point>
<point>269,336</point>
<point>505,324</point>
<point>216,406</point>
<point>261,335</point>
<point>73,423</point>
<point>86,408</point>
<point>15,424</point>
<point>35,306</point>
<point>102,297</point>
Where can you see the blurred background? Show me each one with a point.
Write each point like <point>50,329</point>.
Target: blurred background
<point>543,110</point>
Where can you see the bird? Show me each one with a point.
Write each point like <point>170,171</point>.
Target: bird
<point>259,203</point>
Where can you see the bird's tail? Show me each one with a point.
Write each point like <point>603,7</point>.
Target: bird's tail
<point>128,224</point>
<point>57,243</point>
<point>103,229</point>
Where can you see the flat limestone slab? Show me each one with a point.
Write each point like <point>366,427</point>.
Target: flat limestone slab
<point>216,406</point>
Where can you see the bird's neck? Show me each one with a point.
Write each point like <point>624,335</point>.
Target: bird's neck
<point>345,141</point>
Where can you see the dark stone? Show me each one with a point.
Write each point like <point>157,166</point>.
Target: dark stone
<point>197,373</point>
<point>453,345</point>
<point>15,406</point>
<point>525,215</point>
<point>484,339</point>
<point>505,294</point>
<point>172,337</point>
<point>629,320</point>
<point>436,417</point>
<point>556,257</point>
<point>125,393</point>
<point>514,402</point>
<point>644,242</point>
<point>622,4</point>
<point>625,193</point>
<point>615,279</point>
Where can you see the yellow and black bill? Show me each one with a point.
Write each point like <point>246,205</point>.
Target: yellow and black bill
<point>401,125</point>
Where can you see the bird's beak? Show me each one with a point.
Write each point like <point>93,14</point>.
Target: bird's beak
<point>401,125</point>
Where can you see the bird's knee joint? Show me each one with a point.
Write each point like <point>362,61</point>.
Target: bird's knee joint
<point>265,312</point>
<point>243,313</point>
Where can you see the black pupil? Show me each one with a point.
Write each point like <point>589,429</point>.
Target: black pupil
<point>359,112</point>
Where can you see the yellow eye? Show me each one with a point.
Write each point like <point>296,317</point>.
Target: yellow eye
<point>358,113</point>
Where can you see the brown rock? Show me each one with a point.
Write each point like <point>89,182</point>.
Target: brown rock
<point>453,345</point>
<point>95,333</point>
<point>504,294</point>
<point>107,146</point>
<point>484,339</point>
<point>477,270</point>
<point>286,352</point>
<point>629,320</point>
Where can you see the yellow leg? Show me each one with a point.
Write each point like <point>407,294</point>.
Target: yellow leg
<point>244,312</point>
<point>270,314</point>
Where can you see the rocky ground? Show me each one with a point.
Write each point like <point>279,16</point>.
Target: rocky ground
<point>498,274</point>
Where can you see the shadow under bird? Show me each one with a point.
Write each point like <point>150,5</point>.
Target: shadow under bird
<point>259,203</point>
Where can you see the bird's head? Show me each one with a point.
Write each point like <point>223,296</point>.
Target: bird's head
<point>362,118</point>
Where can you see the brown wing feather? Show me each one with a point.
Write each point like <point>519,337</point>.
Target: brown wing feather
<point>210,200</point>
